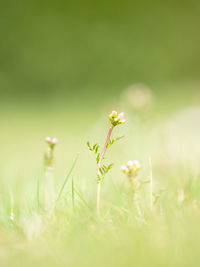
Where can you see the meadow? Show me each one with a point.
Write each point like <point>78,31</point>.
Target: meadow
<point>65,66</point>
<point>161,132</point>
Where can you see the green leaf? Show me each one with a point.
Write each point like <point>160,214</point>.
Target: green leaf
<point>96,149</point>
<point>112,141</point>
<point>88,144</point>
<point>110,166</point>
<point>97,157</point>
<point>105,169</point>
<point>94,146</point>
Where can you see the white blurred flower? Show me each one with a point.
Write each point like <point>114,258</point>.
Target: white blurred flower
<point>131,167</point>
<point>54,140</point>
<point>121,115</point>
<point>139,96</point>
<point>51,141</point>
<point>137,164</point>
<point>129,163</point>
<point>124,168</point>
<point>113,114</point>
<point>12,216</point>
<point>48,139</point>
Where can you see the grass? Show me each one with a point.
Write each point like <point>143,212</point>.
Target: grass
<point>165,235</point>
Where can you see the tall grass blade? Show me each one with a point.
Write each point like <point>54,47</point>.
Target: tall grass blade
<point>82,198</point>
<point>73,200</point>
<point>67,177</point>
<point>38,194</point>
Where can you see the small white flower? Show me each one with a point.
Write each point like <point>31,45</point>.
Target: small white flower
<point>130,163</point>
<point>116,118</point>
<point>114,113</point>
<point>54,140</point>
<point>131,167</point>
<point>121,118</point>
<point>12,216</point>
<point>48,139</point>
<point>137,164</point>
<point>124,168</point>
<point>51,141</point>
<point>121,115</point>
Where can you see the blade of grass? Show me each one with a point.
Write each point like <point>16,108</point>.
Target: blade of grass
<point>11,203</point>
<point>38,194</point>
<point>73,200</point>
<point>151,184</point>
<point>67,177</point>
<point>82,198</point>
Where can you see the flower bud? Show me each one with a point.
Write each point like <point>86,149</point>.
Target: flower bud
<point>132,167</point>
<point>54,140</point>
<point>51,141</point>
<point>124,169</point>
<point>116,118</point>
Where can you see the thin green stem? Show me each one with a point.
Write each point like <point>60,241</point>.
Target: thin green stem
<point>105,146</point>
<point>151,184</point>
<point>67,177</point>
<point>98,198</point>
<point>99,167</point>
<point>49,180</point>
<point>135,194</point>
<point>49,177</point>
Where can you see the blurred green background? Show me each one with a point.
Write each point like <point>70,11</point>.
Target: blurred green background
<point>79,50</point>
<point>64,65</point>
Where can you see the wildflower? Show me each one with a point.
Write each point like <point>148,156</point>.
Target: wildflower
<point>51,141</point>
<point>131,168</point>
<point>124,169</point>
<point>116,118</point>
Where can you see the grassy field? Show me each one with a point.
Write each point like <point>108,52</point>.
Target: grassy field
<point>165,128</point>
<point>64,66</point>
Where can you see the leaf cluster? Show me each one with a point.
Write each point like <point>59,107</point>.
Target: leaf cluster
<point>103,171</point>
<point>95,149</point>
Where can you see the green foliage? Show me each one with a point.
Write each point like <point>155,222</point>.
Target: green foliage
<point>95,149</point>
<point>168,235</point>
<point>103,171</point>
<point>112,141</point>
